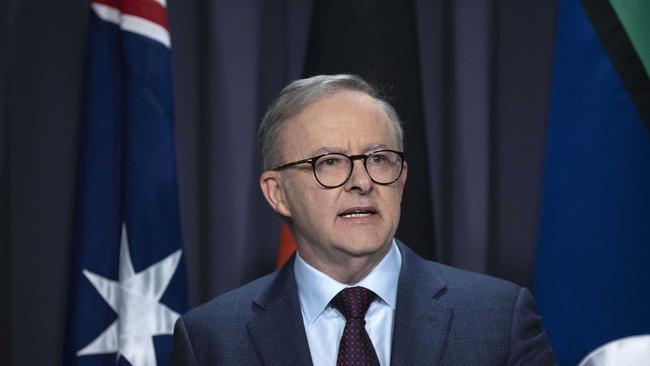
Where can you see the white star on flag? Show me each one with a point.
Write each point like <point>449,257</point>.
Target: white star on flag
<point>136,300</point>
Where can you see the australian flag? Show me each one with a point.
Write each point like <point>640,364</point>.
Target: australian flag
<point>128,283</point>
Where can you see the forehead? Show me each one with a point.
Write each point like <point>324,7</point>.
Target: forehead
<point>348,122</point>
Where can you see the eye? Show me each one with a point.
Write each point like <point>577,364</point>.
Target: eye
<point>378,158</point>
<point>330,161</point>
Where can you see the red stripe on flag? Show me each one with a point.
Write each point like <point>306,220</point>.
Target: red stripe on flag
<point>112,3</point>
<point>146,9</point>
<point>287,246</point>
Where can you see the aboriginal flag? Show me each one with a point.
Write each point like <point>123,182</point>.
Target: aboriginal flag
<point>593,271</point>
<point>127,280</point>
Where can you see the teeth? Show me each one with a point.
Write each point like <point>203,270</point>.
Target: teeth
<point>357,214</point>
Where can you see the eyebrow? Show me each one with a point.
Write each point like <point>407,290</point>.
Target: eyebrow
<point>376,146</point>
<point>326,150</point>
<point>331,149</point>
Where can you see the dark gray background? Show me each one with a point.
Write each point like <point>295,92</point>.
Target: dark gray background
<point>480,76</point>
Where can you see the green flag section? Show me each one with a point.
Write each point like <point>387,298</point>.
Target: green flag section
<point>634,15</point>
<point>624,39</point>
<point>593,265</point>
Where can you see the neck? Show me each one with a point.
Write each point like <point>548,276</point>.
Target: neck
<point>344,268</point>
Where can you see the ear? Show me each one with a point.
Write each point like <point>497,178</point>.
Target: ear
<point>271,185</point>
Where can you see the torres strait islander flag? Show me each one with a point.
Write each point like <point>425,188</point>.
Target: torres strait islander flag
<point>127,280</point>
<point>593,265</point>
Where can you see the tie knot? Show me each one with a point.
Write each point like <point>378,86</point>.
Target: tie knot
<point>353,302</point>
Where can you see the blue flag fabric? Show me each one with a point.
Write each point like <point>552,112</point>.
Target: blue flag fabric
<point>128,282</point>
<point>593,274</point>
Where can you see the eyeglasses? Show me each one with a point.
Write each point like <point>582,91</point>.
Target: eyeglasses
<point>335,169</point>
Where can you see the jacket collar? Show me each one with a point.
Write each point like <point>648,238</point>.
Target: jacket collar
<point>421,322</point>
<point>275,322</point>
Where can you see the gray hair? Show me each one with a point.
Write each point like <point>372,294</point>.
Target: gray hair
<point>298,95</point>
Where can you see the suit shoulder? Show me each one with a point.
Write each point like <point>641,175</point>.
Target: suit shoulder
<point>462,287</point>
<point>457,277</point>
<point>230,306</point>
<point>216,332</point>
<point>466,286</point>
<point>504,313</point>
<point>451,277</point>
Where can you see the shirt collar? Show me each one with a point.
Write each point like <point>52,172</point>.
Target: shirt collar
<point>316,289</point>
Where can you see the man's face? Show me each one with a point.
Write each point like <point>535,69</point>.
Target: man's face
<point>358,219</point>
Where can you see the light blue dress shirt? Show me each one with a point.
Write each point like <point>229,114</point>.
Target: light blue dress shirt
<point>324,324</point>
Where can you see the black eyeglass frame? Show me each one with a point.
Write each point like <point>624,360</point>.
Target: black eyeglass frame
<point>364,157</point>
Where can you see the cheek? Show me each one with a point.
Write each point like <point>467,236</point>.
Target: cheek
<point>322,202</point>
<point>315,204</point>
<point>392,201</point>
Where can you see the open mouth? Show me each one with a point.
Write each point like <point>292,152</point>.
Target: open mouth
<point>358,212</point>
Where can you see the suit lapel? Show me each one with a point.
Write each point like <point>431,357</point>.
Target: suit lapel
<point>421,322</point>
<point>275,322</point>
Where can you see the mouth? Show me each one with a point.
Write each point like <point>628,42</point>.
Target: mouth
<point>358,212</point>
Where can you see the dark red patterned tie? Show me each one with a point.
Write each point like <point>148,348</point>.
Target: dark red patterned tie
<point>356,347</point>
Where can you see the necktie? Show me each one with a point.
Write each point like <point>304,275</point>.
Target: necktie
<point>356,347</point>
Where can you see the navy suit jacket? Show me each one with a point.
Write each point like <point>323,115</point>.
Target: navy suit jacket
<point>444,316</point>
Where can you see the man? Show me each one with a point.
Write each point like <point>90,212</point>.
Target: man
<point>334,170</point>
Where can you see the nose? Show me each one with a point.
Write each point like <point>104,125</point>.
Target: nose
<point>359,180</point>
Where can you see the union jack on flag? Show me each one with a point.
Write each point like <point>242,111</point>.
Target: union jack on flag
<point>127,279</point>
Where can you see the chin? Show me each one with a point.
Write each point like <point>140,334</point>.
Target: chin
<point>364,247</point>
